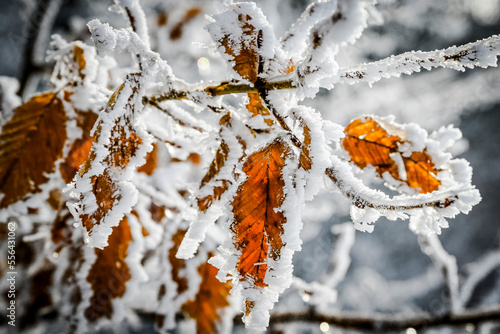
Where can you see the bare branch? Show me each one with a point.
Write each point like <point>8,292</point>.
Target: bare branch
<point>391,322</point>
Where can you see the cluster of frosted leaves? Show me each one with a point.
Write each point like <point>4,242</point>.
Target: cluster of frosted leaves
<point>273,155</point>
<point>71,135</point>
<point>221,240</point>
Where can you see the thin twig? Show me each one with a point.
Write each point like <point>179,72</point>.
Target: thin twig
<point>360,201</point>
<point>390,322</point>
<point>178,120</point>
<point>446,264</point>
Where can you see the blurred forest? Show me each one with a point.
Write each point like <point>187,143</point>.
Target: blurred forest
<point>388,273</point>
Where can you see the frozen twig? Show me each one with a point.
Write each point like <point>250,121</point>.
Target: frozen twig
<point>369,198</point>
<point>446,263</point>
<point>340,259</point>
<point>482,53</point>
<point>37,40</point>
<point>478,270</point>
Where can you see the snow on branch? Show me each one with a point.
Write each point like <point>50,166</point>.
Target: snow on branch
<point>478,271</point>
<point>446,263</point>
<point>364,197</point>
<point>481,53</point>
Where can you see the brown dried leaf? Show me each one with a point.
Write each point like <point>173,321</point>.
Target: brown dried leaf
<point>205,202</point>
<point>79,59</point>
<point>217,163</point>
<point>257,225</point>
<point>151,162</point>
<point>30,144</point>
<point>104,190</point>
<point>210,299</point>
<point>157,212</point>
<point>177,264</point>
<point>123,145</point>
<point>368,143</point>
<point>305,158</point>
<point>176,32</point>
<point>109,273</point>
<point>162,19</point>
<point>255,107</point>
<point>244,48</point>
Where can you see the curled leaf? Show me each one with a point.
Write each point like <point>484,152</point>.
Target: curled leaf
<point>240,40</point>
<point>369,143</point>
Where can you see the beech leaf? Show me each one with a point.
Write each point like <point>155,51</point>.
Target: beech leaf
<point>258,223</point>
<point>30,144</point>
<point>368,143</point>
<point>209,300</point>
<point>109,273</point>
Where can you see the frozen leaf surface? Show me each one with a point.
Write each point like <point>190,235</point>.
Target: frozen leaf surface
<point>258,221</point>
<point>368,143</point>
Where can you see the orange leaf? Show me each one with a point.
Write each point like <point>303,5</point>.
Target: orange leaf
<point>30,144</point>
<point>151,162</point>
<point>368,143</point>
<point>255,107</point>
<point>109,273</point>
<point>211,297</point>
<point>177,264</point>
<point>244,48</point>
<point>79,59</point>
<point>257,225</point>
<point>217,163</point>
<point>205,202</point>
<point>80,149</point>
<point>420,172</point>
<point>104,190</point>
<point>78,154</point>
<point>305,159</point>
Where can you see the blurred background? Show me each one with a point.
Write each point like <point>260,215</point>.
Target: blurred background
<point>388,272</point>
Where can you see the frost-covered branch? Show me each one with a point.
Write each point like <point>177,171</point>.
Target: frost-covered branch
<point>340,259</point>
<point>223,88</point>
<point>444,262</point>
<point>365,197</point>
<point>478,271</point>
<point>391,322</point>
<point>482,53</point>
<point>42,20</point>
